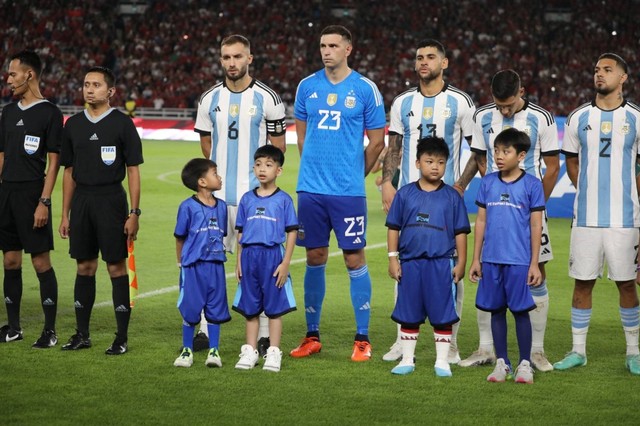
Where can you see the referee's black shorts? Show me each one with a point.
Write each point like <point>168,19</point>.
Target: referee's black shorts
<point>96,223</point>
<point>18,203</point>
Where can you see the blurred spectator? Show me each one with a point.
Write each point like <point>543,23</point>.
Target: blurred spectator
<point>169,51</point>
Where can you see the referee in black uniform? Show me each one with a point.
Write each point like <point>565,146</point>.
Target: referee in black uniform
<point>30,136</point>
<point>99,147</point>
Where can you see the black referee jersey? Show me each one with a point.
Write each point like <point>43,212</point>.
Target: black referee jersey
<point>27,135</point>
<point>100,149</point>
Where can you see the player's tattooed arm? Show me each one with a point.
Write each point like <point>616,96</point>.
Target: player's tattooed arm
<point>390,165</point>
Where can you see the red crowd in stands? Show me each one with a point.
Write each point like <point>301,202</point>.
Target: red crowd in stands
<point>169,55</point>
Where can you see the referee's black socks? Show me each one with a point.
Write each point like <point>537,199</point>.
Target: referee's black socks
<point>121,305</point>
<point>13,296</point>
<point>49,297</point>
<point>84,294</point>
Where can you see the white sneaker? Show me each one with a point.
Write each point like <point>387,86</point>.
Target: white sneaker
<point>540,362</point>
<point>248,358</point>
<point>479,357</point>
<point>185,359</point>
<point>501,373</point>
<point>394,354</point>
<point>524,373</point>
<point>454,355</point>
<point>272,359</point>
<point>213,359</point>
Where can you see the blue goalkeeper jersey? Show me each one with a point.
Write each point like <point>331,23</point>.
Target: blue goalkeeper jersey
<point>265,220</point>
<point>337,116</point>
<point>507,233</point>
<point>202,227</point>
<point>428,221</point>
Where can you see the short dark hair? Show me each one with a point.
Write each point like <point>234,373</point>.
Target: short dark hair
<point>617,58</point>
<point>29,59</point>
<point>337,29</point>
<point>432,145</point>
<point>505,84</point>
<point>271,152</point>
<point>515,138</point>
<point>194,170</point>
<point>430,42</point>
<point>236,38</point>
<point>109,76</point>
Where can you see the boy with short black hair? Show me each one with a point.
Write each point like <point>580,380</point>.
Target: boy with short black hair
<point>266,219</point>
<point>507,242</point>
<point>200,229</point>
<point>428,227</point>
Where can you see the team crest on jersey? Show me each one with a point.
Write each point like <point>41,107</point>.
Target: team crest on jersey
<point>252,110</point>
<point>527,130</point>
<point>31,144</point>
<point>234,109</point>
<point>422,217</point>
<point>504,197</point>
<point>605,127</point>
<point>332,98</point>
<point>108,154</point>
<point>427,112</point>
<point>446,113</point>
<point>213,223</point>
<point>350,102</point>
<point>625,128</point>
<point>506,126</point>
<point>260,211</point>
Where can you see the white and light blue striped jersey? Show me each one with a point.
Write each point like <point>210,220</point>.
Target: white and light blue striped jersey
<point>448,115</point>
<point>536,122</point>
<point>238,124</point>
<point>606,144</point>
<point>337,116</point>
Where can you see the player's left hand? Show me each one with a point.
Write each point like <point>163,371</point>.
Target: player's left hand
<point>40,216</point>
<point>131,227</point>
<point>458,273</point>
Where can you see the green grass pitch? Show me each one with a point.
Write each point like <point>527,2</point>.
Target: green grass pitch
<point>143,387</point>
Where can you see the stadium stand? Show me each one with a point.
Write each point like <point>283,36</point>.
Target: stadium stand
<point>165,53</point>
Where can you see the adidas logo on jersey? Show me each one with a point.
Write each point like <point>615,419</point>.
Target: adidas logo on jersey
<point>490,131</point>
<point>587,128</point>
<point>48,302</point>
<point>122,308</point>
<point>410,114</point>
<point>217,109</point>
<point>20,123</point>
<point>314,95</point>
<point>93,137</point>
<point>78,305</point>
<point>357,241</point>
<point>365,307</point>
<point>546,251</point>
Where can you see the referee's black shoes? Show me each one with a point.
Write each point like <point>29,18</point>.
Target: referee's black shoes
<point>77,341</point>
<point>118,347</point>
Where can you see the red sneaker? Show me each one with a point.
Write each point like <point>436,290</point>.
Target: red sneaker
<point>361,351</point>
<point>309,346</point>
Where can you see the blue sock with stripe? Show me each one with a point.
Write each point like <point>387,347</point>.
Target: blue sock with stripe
<point>580,319</point>
<point>187,335</point>
<point>314,290</point>
<point>214,335</point>
<point>361,298</point>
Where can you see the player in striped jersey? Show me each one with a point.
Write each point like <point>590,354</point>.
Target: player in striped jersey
<point>334,108</point>
<point>510,109</point>
<point>601,142</point>
<point>433,108</point>
<point>236,117</point>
